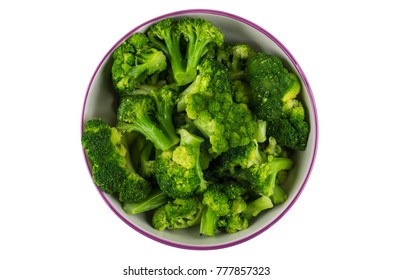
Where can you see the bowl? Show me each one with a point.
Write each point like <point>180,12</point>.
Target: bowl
<point>99,102</point>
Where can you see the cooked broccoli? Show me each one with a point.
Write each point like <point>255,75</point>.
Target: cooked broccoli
<point>177,214</point>
<point>208,102</point>
<point>216,204</point>
<point>236,220</point>
<point>178,172</point>
<point>150,115</point>
<point>156,199</point>
<point>136,62</point>
<point>235,56</point>
<point>146,160</point>
<point>256,206</point>
<point>224,208</point>
<point>184,42</point>
<point>273,98</point>
<point>112,169</point>
<point>263,177</point>
<point>238,157</point>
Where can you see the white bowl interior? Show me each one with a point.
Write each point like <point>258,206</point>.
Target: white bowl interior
<point>100,102</point>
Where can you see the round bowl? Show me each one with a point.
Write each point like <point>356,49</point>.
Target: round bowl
<point>99,102</point>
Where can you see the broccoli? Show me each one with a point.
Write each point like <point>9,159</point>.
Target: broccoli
<point>146,168</point>
<point>236,220</point>
<point>136,62</point>
<point>151,115</point>
<point>263,177</point>
<point>177,214</point>
<point>178,172</point>
<point>216,204</point>
<point>224,208</point>
<point>208,102</point>
<point>273,98</point>
<point>256,206</point>
<point>156,199</point>
<point>184,42</point>
<point>235,56</point>
<point>238,157</point>
<point>112,169</point>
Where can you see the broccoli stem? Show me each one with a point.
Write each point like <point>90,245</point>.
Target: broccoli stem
<point>154,200</point>
<point>164,117</point>
<point>257,206</point>
<point>145,126</point>
<point>208,223</point>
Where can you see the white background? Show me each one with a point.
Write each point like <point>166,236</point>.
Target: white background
<point>54,224</point>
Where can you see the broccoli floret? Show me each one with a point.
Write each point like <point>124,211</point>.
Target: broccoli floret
<point>178,172</point>
<point>224,208</point>
<point>263,177</point>
<point>112,169</point>
<point>144,114</point>
<point>184,42</point>
<point>155,200</point>
<point>236,220</point>
<point>208,102</point>
<point>216,204</point>
<point>256,206</point>
<point>235,56</point>
<point>233,223</point>
<point>235,189</point>
<point>177,214</point>
<point>136,62</point>
<point>273,98</point>
<point>238,157</point>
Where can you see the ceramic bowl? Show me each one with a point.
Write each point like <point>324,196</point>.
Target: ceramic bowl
<point>99,102</point>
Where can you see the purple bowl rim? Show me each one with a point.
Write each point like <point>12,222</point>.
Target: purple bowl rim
<point>309,92</point>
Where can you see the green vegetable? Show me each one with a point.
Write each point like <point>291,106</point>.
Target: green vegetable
<point>151,115</point>
<point>112,169</point>
<point>273,98</point>
<point>208,103</point>
<point>177,214</point>
<point>136,62</point>
<point>155,200</point>
<point>184,42</point>
<point>235,57</point>
<point>178,172</point>
<point>204,130</point>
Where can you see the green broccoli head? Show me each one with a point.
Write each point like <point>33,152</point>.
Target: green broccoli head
<point>208,103</point>
<point>263,178</point>
<point>100,141</point>
<point>112,169</point>
<point>136,62</point>
<point>215,199</point>
<point>239,157</point>
<point>224,205</point>
<point>178,172</point>
<point>273,98</point>
<point>177,214</point>
<point>185,41</point>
